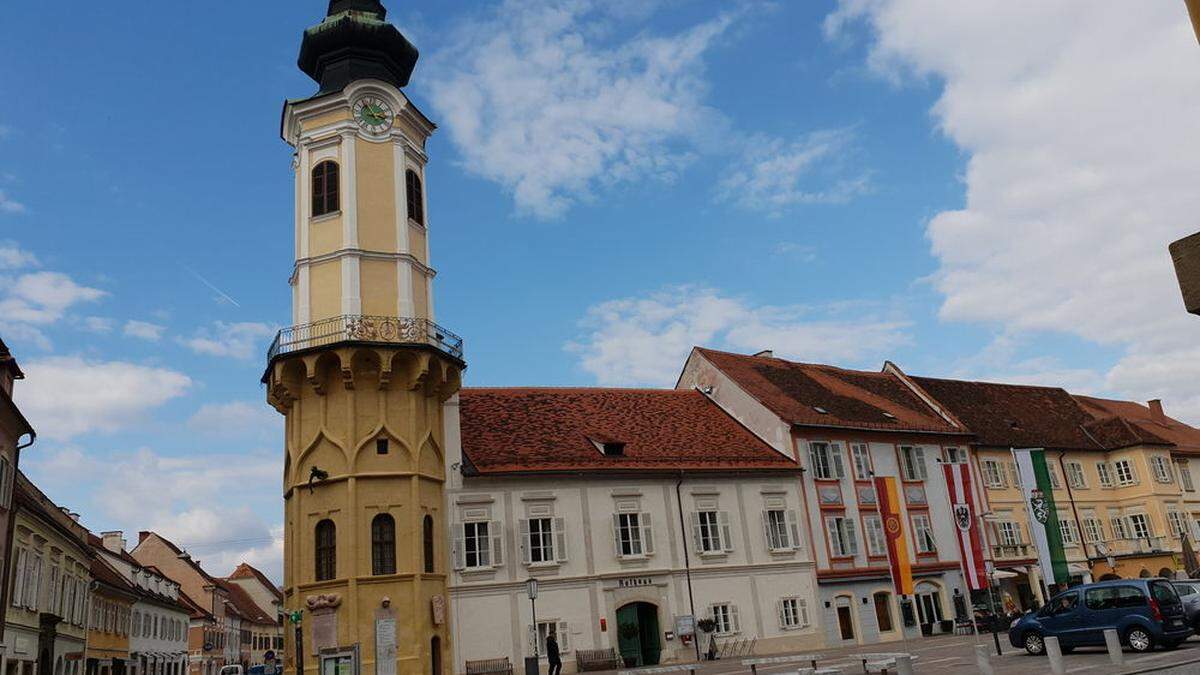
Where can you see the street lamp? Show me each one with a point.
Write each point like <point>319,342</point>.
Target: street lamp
<point>531,662</point>
<point>990,568</point>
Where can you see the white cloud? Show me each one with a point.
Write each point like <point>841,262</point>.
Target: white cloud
<point>67,396</point>
<point>98,324</point>
<point>253,419</point>
<point>144,330</point>
<point>1082,168</point>
<point>645,340</point>
<point>220,506</point>
<point>42,297</point>
<point>237,340</point>
<point>13,257</point>
<point>548,100</point>
<point>9,205</point>
<point>793,249</point>
<point>775,174</point>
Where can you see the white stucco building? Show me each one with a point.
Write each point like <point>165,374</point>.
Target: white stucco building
<point>632,509</point>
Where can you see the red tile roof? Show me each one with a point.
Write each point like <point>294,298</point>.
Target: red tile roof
<point>1014,415</point>
<point>1142,424</point>
<point>551,429</point>
<point>853,399</point>
<point>244,605</point>
<point>248,571</point>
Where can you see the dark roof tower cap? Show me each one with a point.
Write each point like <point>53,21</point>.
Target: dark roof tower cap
<point>354,42</point>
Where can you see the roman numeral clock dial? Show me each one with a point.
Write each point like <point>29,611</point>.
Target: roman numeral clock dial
<point>373,114</point>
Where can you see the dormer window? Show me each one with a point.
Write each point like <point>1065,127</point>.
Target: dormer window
<point>820,410</point>
<point>889,415</point>
<point>609,447</point>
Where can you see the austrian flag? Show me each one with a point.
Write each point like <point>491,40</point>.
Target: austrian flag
<point>966,522</point>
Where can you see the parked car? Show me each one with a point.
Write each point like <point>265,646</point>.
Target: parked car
<point>1144,612</point>
<point>1189,593</point>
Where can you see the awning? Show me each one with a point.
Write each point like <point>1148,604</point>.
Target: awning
<point>1076,568</point>
<point>1005,574</point>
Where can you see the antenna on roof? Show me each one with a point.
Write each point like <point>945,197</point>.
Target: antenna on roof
<point>767,353</point>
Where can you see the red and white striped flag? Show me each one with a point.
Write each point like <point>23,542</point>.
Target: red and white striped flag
<point>966,520</point>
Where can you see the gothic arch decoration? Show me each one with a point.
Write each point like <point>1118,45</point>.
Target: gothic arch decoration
<point>397,445</point>
<point>312,455</point>
<point>431,460</point>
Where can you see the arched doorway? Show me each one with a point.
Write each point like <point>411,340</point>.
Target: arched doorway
<point>1166,573</point>
<point>637,634</point>
<point>1110,577</point>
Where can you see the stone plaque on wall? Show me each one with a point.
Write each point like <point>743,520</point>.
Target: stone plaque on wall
<point>438,605</point>
<point>385,644</point>
<point>324,631</point>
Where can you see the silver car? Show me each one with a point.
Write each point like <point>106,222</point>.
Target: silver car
<point>1189,593</point>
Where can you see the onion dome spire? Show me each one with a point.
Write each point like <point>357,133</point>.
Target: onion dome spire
<point>355,42</point>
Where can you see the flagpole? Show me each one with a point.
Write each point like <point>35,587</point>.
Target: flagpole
<point>888,555</point>
<point>962,563</point>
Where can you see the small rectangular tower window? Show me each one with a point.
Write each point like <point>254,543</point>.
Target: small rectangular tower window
<point>381,446</point>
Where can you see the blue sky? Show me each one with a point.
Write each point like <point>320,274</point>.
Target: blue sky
<point>964,190</point>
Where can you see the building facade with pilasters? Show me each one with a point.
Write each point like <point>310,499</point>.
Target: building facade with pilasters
<point>845,427</point>
<point>633,509</point>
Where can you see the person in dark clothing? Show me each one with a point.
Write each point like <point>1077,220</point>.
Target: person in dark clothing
<point>552,655</point>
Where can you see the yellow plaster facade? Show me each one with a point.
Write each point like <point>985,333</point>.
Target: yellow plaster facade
<point>364,423</point>
<point>1130,504</point>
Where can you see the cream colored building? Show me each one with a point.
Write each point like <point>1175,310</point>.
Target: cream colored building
<point>15,434</point>
<point>630,508</point>
<point>50,600</point>
<point>362,374</point>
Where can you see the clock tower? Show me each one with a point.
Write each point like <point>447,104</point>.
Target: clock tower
<point>362,373</point>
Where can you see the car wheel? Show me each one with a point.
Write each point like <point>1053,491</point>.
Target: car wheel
<point>1139,639</point>
<point>1034,644</point>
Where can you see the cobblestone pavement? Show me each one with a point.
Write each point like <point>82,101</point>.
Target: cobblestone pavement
<point>955,655</point>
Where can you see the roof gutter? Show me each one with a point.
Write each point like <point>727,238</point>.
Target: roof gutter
<point>886,431</point>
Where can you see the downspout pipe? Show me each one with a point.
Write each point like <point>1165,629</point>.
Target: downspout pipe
<point>1074,511</point>
<point>687,565</point>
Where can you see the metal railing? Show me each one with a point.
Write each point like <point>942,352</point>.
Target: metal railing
<point>1010,550</point>
<point>359,328</point>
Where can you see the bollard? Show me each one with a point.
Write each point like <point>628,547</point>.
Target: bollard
<point>1113,642</point>
<point>1055,653</point>
<point>983,661</point>
<point>904,665</point>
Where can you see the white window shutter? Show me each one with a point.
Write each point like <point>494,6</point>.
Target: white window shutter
<point>802,604</point>
<point>560,540</point>
<point>647,533</point>
<point>793,528</point>
<point>564,637</point>
<point>18,589</point>
<point>766,523</point>
<point>726,537</point>
<point>456,547</point>
<point>616,532</point>
<point>697,535</point>
<point>812,459</point>
<point>851,536</point>
<point>734,621</point>
<point>496,530</point>
<point>919,462</point>
<point>525,541</point>
<point>835,451</point>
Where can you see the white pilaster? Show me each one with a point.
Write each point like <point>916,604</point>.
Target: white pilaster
<point>303,201</point>
<point>304,305</point>
<point>351,286</point>
<point>404,290</point>
<point>349,191</point>
<point>400,165</point>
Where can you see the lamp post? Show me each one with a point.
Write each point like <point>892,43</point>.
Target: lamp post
<point>990,568</point>
<point>531,662</point>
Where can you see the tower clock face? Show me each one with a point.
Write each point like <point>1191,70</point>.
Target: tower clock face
<point>373,114</point>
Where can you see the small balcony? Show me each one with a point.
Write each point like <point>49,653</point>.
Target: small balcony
<point>389,330</point>
<point>1142,545</point>
<point>1012,551</point>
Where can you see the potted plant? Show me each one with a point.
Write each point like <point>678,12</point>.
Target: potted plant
<point>707,625</point>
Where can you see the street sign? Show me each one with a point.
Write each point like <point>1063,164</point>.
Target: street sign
<point>685,624</point>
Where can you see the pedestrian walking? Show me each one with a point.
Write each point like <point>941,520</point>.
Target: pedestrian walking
<point>552,655</point>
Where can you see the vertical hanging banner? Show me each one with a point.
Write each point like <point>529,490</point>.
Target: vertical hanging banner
<point>888,497</point>
<point>1043,520</point>
<point>961,491</point>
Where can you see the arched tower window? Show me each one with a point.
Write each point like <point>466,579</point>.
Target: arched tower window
<point>428,540</point>
<point>383,544</point>
<point>326,550</point>
<point>416,203</point>
<point>325,188</point>
<point>435,655</point>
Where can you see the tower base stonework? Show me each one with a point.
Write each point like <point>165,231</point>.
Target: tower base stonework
<point>364,445</point>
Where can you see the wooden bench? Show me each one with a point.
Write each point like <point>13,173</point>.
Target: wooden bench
<point>597,659</point>
<point>489,667</point>
<point>811,659</point>
<point>882,662</point>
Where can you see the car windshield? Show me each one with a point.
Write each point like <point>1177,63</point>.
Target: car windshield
<point>1164,593</point>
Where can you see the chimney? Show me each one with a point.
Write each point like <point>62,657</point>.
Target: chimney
<point>767,353</point>
<point>114,541</point>
<point>142,536</point>
<point>1156,410</point>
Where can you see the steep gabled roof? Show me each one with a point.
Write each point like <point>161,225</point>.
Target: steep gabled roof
<point>521,430</point>
<point>1014,415</point>
<point>244,605</point>
<point>851,399</point>
<point>248,571</point>
<point>1143,425</point>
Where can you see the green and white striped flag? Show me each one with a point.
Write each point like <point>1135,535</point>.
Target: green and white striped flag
<point>1043,521</point>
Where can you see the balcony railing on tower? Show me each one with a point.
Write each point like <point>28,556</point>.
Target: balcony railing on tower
<point>358,328</point>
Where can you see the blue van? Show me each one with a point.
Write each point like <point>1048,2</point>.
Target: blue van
<point>1145,613</point>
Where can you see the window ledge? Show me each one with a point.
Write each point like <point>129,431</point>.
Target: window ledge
<point>325,216</point>
<point>783,551</point>
<point>477,571</point>
<point>634,558</point>
<point>543,565</point>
